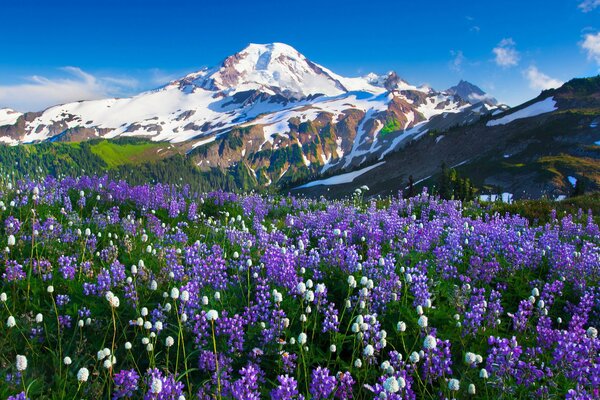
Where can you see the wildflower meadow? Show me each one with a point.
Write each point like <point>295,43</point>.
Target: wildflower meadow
<point>114,291</point>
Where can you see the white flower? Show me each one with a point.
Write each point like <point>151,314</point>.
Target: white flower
<point>11,240</point>
<point>422,322</point>
<point>114,302</point>
<point>470,358</point>
<point>414,357</point>
<point>169,341</point>
<point>158,325</point>
<point>21,363</point>
<point>351,281</point>
<point>149,347</point>
<point>83,374</point>
<point>535,292</point>
<point>541,304</point>
<point>302,338</point>
<point>309,295</point>
<point>127,345</point>
<point>430,342</point>
<point>483,373</point>
<point>3,297</point>
<point>217,296</point>
<point>333,348</point>
<point>147,325</point>
<point>145,341</point>
<point>472,389</point>
<point>391,385</point>
<point>10,322</point>
<point>50,289</point>
<point>358,363</point>
<point>368,351</point>
<point>420,310</point>
<point>174,293</point>
<point>401,326</point>
<point>454,385</point>
<point>185,296</point>
<point>67,360</point>
<point>592,332</point>
<point>401,382</point>
<point>212,315</point>
<point>156,386</point>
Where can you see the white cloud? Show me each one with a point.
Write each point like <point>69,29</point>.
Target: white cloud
<point>40,92</point>
<point>457,62</point>
<point>591,44</point>
<point>589,5</point>
<point>506,53</point>
<point>540,81</point>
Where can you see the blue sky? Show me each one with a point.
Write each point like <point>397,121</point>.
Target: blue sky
<point>57,51</point>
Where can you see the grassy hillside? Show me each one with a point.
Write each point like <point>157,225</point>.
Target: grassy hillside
<point>115,154</point>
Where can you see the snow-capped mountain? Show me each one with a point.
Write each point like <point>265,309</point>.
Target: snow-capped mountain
<point>267,107</point>
<point>471,93</point>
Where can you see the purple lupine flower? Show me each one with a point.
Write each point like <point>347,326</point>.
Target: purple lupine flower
<point>126,384</point>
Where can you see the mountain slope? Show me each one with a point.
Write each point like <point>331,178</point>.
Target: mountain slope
<point>539,148</point>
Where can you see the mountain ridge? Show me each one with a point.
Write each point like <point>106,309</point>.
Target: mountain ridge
<point>267,107</point>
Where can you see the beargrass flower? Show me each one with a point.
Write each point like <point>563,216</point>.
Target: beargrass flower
<point>21,363</point>
<point>83,374</point>
<point>212,315</point>
<point>454,385</point>
<point>471,389</point>
<point>430,342</point>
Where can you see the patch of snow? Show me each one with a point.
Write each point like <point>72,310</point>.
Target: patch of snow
<point>541,107</point>
<point>8,140</point>
<point>504,197</point>
<point>342,178</point>
<point>459,164</point>
<point>204,141</point>
<point>437,139</point>
<point>572,180</point>
<point>560,197</point>
<point>8,116</point>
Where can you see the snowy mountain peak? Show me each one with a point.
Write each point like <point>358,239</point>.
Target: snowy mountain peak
<point>274,68</point>
<point>471,93</point>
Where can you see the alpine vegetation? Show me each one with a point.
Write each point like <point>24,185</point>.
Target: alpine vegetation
<point>110,290</point>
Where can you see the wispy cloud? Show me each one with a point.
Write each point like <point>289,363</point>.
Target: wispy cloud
<point>39,92</point>
<point>472,27</point>
<point>506,53</point>
<point>591,44</point>
<point>540,81</point>
<point>458,59</point>
<point>589,5</point>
